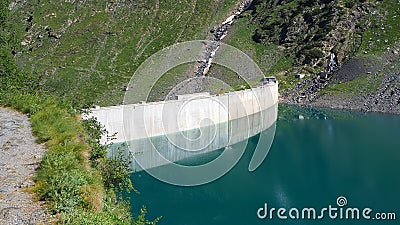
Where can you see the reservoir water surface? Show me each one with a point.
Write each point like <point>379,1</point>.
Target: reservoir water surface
<point>317,158</point>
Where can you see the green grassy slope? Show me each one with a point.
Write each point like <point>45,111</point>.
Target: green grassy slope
<point>88,50</point>
<point>268,56</point>
<point>382,28</point>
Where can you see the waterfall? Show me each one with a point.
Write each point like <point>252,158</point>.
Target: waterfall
<point>332,63</point>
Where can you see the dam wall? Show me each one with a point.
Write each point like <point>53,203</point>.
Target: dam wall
<point>158,133</point>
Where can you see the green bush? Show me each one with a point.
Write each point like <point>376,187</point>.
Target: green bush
<point>116,170</point>
<point>111,215</point>
<point>62,189</point>
<point>313,54</point>
<point>94,132</point>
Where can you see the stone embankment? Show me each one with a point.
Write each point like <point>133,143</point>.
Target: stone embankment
<point>19,158</point>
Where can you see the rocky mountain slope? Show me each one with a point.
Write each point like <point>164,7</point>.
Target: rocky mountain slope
<point>348,51</point>
<point>311,30</point>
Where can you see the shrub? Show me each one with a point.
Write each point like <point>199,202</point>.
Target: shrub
<point>312,54</point>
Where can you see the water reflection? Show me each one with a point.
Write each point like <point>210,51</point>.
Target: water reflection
<point>231,136</point>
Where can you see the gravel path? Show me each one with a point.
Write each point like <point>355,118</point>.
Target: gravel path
<point>19,157</point>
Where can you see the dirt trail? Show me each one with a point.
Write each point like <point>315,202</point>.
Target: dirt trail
<point>19,157</point>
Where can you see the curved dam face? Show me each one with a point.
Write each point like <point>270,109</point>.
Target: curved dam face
<point>159,133</point>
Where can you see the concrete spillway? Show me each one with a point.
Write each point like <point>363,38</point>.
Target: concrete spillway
<point>168,131</point>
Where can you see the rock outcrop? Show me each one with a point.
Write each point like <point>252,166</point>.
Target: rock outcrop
<point>311,30</point>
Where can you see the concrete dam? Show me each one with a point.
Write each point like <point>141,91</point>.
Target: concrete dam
<point>158,133</point>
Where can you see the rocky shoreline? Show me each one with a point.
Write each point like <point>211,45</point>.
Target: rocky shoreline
<point>19,158</point>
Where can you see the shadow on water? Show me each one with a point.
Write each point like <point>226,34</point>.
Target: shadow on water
<point>313,160</point>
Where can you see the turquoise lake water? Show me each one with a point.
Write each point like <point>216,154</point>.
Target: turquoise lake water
<point>312,162</point>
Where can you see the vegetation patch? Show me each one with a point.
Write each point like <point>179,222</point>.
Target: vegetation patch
<point>73,177</point>
<point>382,28</point>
